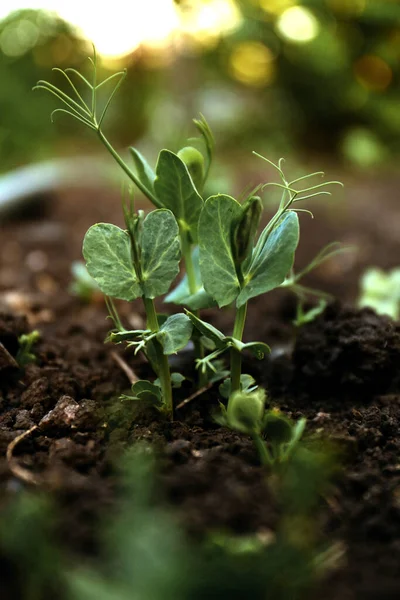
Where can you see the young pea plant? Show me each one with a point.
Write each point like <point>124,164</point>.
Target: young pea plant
<point>235,266</point>
<point>274,435</point>
<point>25,354</point>
<point>142,262</point>
<point>176,184</point>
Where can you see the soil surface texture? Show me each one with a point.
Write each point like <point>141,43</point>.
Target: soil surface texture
<point>341,372</point>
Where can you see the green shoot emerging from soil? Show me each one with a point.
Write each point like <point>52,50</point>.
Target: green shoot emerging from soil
<point>176,183</point>
<point>25,354</point>
<point>275,437</point>
<point>141,261</point>
<point>227,260</point>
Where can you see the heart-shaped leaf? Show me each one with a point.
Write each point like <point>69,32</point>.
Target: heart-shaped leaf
<point>108,255</point>
<point>272,259</point>
<point>217,264</point>
<point>175,333</point>
<point>160,245</point>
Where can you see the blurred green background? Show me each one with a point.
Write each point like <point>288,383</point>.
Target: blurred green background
<point>303,77</point>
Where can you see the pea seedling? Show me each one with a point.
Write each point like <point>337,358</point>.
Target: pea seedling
<point>176,183</point>
<point>226,261</point>
<point>25,354</point>
<point>141,261</point>
<point>274,436</point>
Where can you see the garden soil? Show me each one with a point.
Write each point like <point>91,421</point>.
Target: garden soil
<point>64,427</point>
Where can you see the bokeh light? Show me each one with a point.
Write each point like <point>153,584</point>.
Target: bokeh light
<point>298,24</point>
<point>252,63</point>
<point>373,73</point>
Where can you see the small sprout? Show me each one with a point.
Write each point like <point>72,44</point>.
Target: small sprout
<point>245,411</point>
<point>25,354</point>
<point>83,285</point>
<point>381,291</point>
<point>274,435</point>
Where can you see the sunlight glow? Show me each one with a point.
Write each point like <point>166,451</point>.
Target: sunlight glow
<point>298,24</point>
<point>119,27</point>
<point>252,63</point>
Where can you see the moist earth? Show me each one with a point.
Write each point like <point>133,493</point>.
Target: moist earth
<point>340,372</point>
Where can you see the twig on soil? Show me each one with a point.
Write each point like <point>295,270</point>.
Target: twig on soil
<point>131,375</point>
<point>195,395</point>
<point>15,468</point>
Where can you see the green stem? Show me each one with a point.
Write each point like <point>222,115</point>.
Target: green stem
<point>263,452</point>
<point>162,360</point>
<point>191,275</point>
<point>236,357</point>
<point>187,257</point>
<point>132,176</point>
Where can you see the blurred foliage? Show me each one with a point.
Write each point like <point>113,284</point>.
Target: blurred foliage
<point>31,44</point>
<point>146,554</point>
<point>314,75</point>
<point>323,74</point>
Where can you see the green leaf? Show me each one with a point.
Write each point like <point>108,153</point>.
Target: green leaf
<point>209,331</point>
<point>175,333</point>
<point>181,294</point>
<point>272,259</point>
<point>177,379</point>
<point>145,172</point>
<point>217,264</point>
<point>258,349</point>
<point>147,392</point>
<point>277,428</point>
<point>108,255</point>
<point>175,190</point>
<point>247,384</point>
<point>160,252</point>
<point>245,411</point>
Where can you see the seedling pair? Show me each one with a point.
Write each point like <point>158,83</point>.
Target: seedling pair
<point>226,261</point>
<point>275,436</point>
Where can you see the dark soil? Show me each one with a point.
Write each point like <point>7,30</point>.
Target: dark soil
<point>342,375</point>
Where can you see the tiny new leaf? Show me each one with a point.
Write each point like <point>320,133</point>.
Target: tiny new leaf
<point>258,349</point>
<point>146,391</point>
<point>272,259</point>
<point>175,190</point>
<point>144,171</point>
<point>160,252</point>
<point>108,255</point>
<point>217,263</point>
<point>175,333</point>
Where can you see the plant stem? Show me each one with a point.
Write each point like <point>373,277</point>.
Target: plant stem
<point>263,452</point>
<point>162,360</point>
<point>187,248</point>
<point>132,176</point>
<point>236,357</point>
